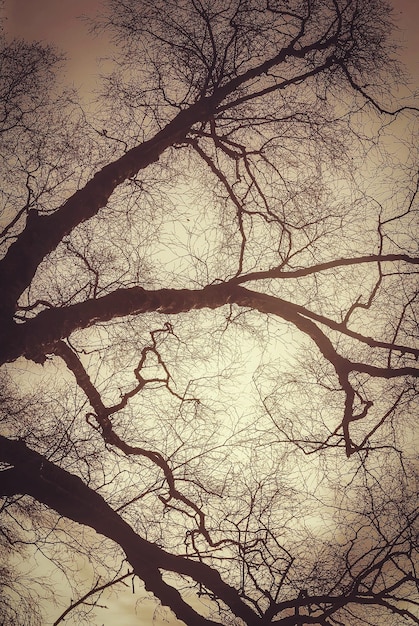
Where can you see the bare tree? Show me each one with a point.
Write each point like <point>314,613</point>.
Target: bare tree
<point>210,284</point>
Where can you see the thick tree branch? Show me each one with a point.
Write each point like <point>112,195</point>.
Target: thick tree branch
<point>41,335</point>
<point>43,233</point>
<point>34,338</point>
<point>270,102</point>
<point>32,474</point>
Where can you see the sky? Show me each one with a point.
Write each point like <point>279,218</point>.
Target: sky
<point>51,21</point>
<point>59,23</point>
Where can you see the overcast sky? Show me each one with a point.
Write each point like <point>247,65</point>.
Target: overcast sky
<point>52,21</point>
<point>58,23</point>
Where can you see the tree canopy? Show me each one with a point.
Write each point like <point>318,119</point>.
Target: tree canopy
<point>209,320</point>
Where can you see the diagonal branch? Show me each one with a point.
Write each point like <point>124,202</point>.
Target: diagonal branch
<point>92,592</point>
<point>32,474</point>
<point>370,99</point>
<point>102,417</point>
<point>43,233</point>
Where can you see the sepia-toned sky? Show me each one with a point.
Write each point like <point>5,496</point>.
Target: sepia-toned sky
<point>57,22</point>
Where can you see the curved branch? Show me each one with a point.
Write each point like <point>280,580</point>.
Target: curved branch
<point>102,417</point>
<point>32,474</point>
<point>43,233</point>
<point>370,99</point>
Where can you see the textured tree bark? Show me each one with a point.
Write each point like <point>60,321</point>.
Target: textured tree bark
<point>43,233</point>
<point>34,338</point>
<point>32,474</point>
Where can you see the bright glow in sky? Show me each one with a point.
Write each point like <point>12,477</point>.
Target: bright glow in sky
<point>57,23</point>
